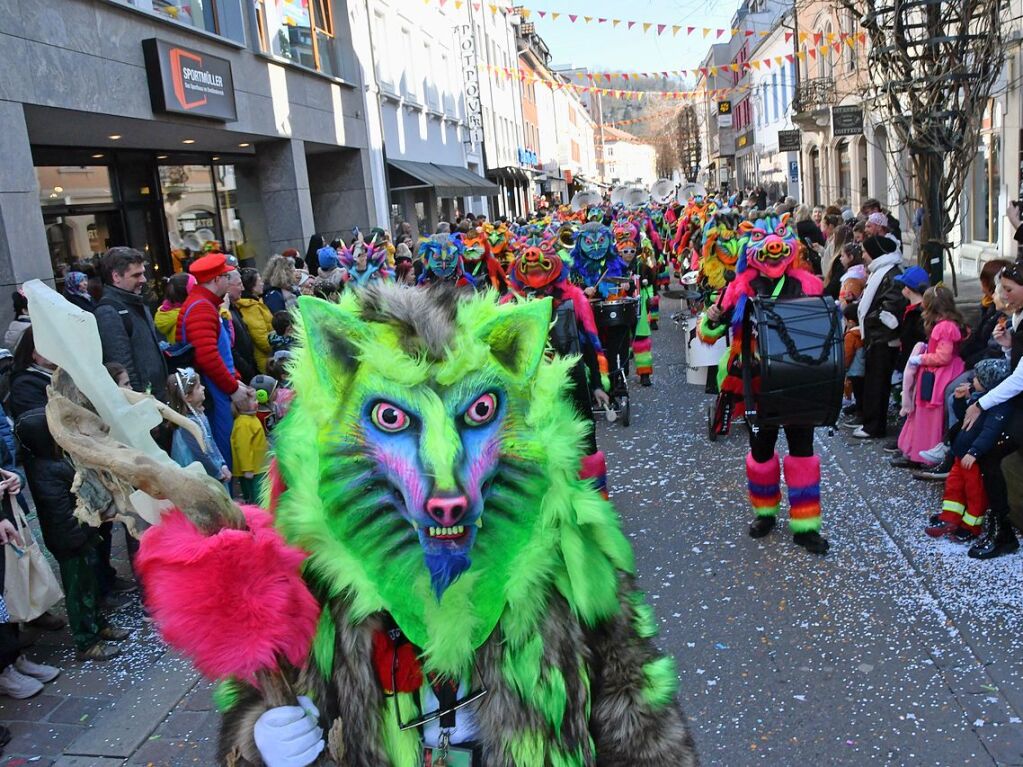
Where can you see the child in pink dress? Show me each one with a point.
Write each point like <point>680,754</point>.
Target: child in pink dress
<point>929,371</point>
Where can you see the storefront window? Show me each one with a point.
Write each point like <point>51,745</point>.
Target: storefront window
<point>195,13</point>
<point>190,207</point>
<point>844,171</point>
<point>65,185</point>
<point>984,200</point>
<point>299,30</point>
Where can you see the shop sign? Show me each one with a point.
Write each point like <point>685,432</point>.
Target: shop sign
<point>847,121</point>
<point>744,140</point>
<point>789,140</point>
<point>188,81</point>
<point>527,157</point>
<point>724,114</point>
<point>470,83</point>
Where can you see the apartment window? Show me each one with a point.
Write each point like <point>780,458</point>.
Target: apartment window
<point>410,82</point>
<point>774,96</point>
<point>850,31</point>
<point>385,71</point>
<point>201,14</point>
<point>301,31</point>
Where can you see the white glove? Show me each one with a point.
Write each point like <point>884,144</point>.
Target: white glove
<point>915,360</point>
<point>290,736</point>
<point>888,320</point>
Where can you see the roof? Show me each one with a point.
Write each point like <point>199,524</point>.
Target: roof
<point>614,134</point>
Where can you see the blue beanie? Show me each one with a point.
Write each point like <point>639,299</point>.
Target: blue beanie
<point>328,258</point>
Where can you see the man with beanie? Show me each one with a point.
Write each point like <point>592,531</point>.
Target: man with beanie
<point>891,224</point>
<point>880,310</point>
<point>201,325</point>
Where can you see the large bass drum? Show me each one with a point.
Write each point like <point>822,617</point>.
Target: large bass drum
<point>800,369</point>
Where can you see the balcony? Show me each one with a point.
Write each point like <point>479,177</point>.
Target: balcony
<point>813,100</point>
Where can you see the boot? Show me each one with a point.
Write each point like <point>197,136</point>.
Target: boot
<point>986,530</point>
<point>761,526</point>
<point>764,483</point>
<point>803,476</point>
<point>1002,540</point>
<point>644,379</point>
<point>812,541</point>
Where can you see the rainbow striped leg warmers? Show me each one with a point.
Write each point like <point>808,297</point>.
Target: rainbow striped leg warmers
<point>764,485</point>
<point>803,476</point>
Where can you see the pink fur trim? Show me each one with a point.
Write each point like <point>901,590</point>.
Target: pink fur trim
<point>811,283</point>
<point>233,602</point>
<point>766,473</point>
<point>593,466</point>
<point>802,471</point>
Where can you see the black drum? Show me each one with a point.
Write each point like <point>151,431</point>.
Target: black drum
<point>801,368</point>
<point>622,312</point>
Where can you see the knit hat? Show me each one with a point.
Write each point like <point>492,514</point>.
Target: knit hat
<point>265,387</point>
<point>402,252</point>
<point>878,219</point>
<point>328,258</point>
<point>991,372</point>
<point>879,246</point>
<point>848,215</point>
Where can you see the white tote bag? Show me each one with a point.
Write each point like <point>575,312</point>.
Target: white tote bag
<point>30,587</point>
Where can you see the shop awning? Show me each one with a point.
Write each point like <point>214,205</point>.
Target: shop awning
<point>510,172</point>
<point>446,180</point>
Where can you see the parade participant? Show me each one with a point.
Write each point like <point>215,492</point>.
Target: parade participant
<point>365,263</point>
<point>538,272</point>
<point>442,260</point>
<point>436,580</point>
<point>769,267</point>
<point>720,253</point>
<point>595,260</point>
<point>478,262</point>
<point>642,269</point>
<point>499,237</point>
<point>567,232</point>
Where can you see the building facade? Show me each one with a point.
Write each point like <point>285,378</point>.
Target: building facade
<point>167,125</point>
<point>627,159</point>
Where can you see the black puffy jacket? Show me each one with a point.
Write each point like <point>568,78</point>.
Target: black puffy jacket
<point>50,476</point>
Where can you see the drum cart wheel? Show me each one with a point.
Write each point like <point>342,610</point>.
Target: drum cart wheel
<point>712,426</point>
<point>626,407</point>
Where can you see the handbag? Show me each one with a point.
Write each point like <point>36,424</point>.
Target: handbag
<point>926,385</point>
<point>30,587</point>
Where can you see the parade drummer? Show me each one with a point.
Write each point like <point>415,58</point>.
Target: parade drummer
<point>769,267</point>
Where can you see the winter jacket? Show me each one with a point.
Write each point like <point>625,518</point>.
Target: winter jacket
<point>16,330</point>
<point>28,390</point>
<point>278,300</point>
<point>201,328</point>
<point>81,302</point>
<point>129,337</point>
<point>986,429</point>
<point>887,297</point>
<point>243,349</point>
<point>258,319</point>
<point>166,320</point>
<point>979,345</point>
<point>911,332</point>
<point>50,476</point>
<point>249,445</point>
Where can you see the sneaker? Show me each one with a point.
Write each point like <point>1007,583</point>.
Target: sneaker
<point>936,454</point>
<point>963,535</point>
<point>38,671</point>
<point>861,434</point>
<point>123,585</point>
<point>940,528</point>
<point>114,633</point>
<point>904,462</point>
<point>98,651</point>
<point>47,622</point>
<point>892,446</point>
<point>14,684</point>
<point>936,472</point>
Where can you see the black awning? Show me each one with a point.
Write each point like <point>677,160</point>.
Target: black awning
<point>446,180</point>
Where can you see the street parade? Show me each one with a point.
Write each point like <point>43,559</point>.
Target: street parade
<point>352,438</point>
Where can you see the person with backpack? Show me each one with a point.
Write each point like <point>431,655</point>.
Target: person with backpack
<point>126,328</point>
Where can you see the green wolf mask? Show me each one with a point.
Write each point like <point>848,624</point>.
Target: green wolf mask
<point>431,466</point>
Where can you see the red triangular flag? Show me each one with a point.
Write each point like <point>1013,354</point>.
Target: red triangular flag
<point>690,30</point>
<point>573,17</point>
<point>788,37</point>
<point>661,28</point>
<point>632,24</point>
<point>789,58</point>
<point>720,32</point>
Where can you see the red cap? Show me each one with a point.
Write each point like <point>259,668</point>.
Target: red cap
<point>210,266</point>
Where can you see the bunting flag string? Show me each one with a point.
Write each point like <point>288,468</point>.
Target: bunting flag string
<point>621,93</point>
<point>660,114</point>
<point>649,27</point>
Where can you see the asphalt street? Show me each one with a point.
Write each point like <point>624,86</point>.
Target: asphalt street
<point>891,650</point>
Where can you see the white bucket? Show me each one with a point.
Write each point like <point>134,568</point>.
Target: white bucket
<point>700,356</point>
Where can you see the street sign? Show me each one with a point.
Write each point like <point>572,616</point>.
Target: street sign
<point>793,171</point>
<point>789,140</point>
<point>847,121</point>
<point>724,114</point>
<point>722,175</point>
